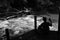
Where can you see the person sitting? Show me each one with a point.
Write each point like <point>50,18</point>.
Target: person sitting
<point>44,27</point>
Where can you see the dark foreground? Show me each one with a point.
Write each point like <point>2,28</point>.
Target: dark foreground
<point>32,35</point>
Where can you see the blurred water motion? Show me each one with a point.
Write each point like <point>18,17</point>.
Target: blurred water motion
<point>23,24</point>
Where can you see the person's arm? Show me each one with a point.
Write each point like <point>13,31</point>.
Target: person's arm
<point>50,24</point>
<point>50,20</point>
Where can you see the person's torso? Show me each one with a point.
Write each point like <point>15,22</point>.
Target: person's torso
<point>45,26</point>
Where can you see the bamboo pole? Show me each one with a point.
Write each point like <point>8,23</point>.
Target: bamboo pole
<point>35,22</point>
<point>7,34</point>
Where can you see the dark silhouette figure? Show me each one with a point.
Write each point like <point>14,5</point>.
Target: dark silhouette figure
<point>44,27</point>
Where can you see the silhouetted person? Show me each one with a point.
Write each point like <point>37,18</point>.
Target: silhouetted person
<point>44,27</point>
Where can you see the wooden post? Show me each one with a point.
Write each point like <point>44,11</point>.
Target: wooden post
<point>59,21</point>
<point>35,22</point>
<point>7,34</point>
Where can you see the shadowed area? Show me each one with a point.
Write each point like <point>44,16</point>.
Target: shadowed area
<point>33,35</point>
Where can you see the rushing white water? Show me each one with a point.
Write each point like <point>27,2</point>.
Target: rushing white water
<point>22,24</point>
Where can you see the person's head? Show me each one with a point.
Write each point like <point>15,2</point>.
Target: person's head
<point>44,19</point>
